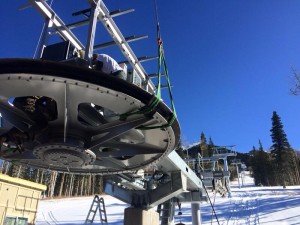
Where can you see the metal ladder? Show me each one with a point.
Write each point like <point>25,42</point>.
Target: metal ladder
<point>97,205</point>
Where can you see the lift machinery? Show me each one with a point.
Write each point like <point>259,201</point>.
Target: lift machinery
<point>58,113</point>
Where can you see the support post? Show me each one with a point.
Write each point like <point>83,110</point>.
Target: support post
<point>89,48</point>
<point>43,38</point>
<point>213,165</point>
<point>227,179</point>
<point>225,164</point>
<point>242,178</point>
<point>168,210</point>
<point>139,216</point>
<point>196,217</point>
<point>238,174</point>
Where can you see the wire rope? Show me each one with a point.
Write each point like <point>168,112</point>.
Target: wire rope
<point>212,206</point>
<point>215,193</point>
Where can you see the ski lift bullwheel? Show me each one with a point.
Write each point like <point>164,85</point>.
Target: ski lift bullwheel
<point>67,118</point>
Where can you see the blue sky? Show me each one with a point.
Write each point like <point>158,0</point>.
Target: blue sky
<point>229,61</point>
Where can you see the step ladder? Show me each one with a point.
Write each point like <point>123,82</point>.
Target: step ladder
<point>166,212</point>
<point>97,206</point>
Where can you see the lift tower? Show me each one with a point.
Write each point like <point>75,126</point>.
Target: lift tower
<point>78,120</point>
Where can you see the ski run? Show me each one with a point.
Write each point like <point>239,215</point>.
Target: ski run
<point>248,205</point>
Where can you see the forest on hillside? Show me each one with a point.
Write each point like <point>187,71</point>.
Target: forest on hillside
<point>58,184</point>
<point>279,165</point>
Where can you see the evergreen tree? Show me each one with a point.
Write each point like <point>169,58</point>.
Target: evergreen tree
<point>261,165</point>
<point>210,147</point>
<point>203,145</point>
<point>283,154</point>
<point>252,152</point>
<point>179,150</point>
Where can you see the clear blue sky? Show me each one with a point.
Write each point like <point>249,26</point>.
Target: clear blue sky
<point>229,61</point>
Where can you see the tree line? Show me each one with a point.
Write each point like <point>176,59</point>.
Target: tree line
<point>58,184</point>
<point>277,166</point>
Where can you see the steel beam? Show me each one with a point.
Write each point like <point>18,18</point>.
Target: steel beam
<point>112,43</point>
<point>86,21</point>
<point>148,198</point>
<point>45,10</point>
<point>192,196</point>
<point>154,75</point>
<point>173,162</point>
<point>113,30</point>
<point>120,12</point>
<point>89,48</point>
<point>141,59</point>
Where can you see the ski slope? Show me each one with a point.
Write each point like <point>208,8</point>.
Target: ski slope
<point>248,205</point>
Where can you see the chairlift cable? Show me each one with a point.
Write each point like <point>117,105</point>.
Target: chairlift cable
<point>157,21</point>
<point>213,208</point>
<point>215,193</point>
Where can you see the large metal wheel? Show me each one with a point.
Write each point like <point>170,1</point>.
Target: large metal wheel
<point>84,134</point>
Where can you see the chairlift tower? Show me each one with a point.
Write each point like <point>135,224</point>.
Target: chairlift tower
<point>92,122</point>
<point>212,174</point>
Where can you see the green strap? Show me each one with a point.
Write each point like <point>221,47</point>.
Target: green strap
<point>169,123</point>
<point>160,59</point>
<point>153,104</point>
<point>169,85</point>
<point>157,98</point>
<point>14,161</point>
<point>161,62</point>
<point>144,110</point>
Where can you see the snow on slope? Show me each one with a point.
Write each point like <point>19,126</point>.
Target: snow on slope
<point>248,205</point>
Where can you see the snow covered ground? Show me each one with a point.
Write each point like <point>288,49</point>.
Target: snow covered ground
<point>248,205</point>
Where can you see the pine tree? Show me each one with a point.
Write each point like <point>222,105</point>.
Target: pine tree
<point>210,147</point>
<point>179,149</point>
<point>203,145</point>
<point>263,173</point>
<point>283,154</point>
<point>261,161</point>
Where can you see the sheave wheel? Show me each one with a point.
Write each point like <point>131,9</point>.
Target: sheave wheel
<point>67,118</point>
